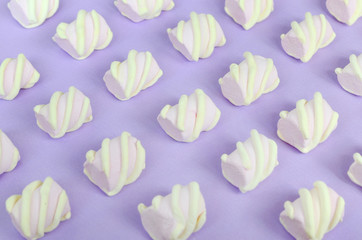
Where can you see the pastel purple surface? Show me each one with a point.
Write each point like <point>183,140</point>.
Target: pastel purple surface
<point>230,214</point>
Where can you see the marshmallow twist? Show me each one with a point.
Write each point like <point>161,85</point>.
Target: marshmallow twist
<point>186,120</point>
<point>9,154</point>
<point>197,37</point>
<point>355,170</point>
<point>175,216</point>
<point>87,33</point>
<point>66,112</point>
<point>139,10</point>
<point>309,124</point>
<point>126,79</point>
<point>32,13</point>
<point>15,74</point>
<point>346,11</point>
<point>251,162</point>
<point>350,77</point>
<point>314,213</point>
<point>248,12</point>
<point>305,38</point>
<point>247,81</point>
<point>119,162</point>
<point>40,208</point>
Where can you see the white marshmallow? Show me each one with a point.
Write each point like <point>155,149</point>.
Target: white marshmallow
<point>81,37</point>
<point>126,79</point>
<point>350,77</point>
<point>139,10</point>
<point>355,170</point>
<point>197,37</point>
<point>32,13</point>
<point>66,112</point>
<point>346,11</point>
<point>251,163</point>
<point>119,162</point>
<point>309,124</point>
<point>247,81</point>
<point>15,74</point>
<point>314,213</point>
<point>186,120</point>
<point>306,37</point>
<point>175,216</point>
<point>249,12</point>
<point>39,209</point>
<point>9,154</point>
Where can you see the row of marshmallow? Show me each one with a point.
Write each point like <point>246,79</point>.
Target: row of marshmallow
<point>121,160</point>
<point>197,37</point>
<point>244,12</point>
<point>242,85</point>
<point>33,13</point>
<point>43,205</point>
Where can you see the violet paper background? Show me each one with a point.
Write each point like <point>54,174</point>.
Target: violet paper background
<point>230,214</point>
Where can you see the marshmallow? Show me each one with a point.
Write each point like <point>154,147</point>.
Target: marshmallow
<point>350,77</point>
<point>15,74</point>
<point>193,114</point>
<point>309,124</point>
<point>9,154</point>
<point>251,162</point>
<point>40,208</point>
<point>119,162</point>
<point>175,216</point>
<point>246,82</point>
<point>314,213</point>
<point>126,79</point>
<point>355,170</point>
<point>305,38</point>
<point>66,112</point>
<point>346,11</point>
<point>32,13</point>
<point>81,37</point>
<point>248,12</point>
<point>139,10</point>
<point>197,37</point>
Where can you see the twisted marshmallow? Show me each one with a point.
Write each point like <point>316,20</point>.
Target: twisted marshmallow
<point>193,114</point>
<point>250,79</point>
<point>197,37</point>
<point>175,216</point>
<point>119,162</point>
<point>251,162</point>
<point>355,170</point>
<point>309,124</point>
<point>346,11</point>
<point>314,213</point>
<point>40,208</point>
<point>15,74</point>
<point>9,154</point>
<point>350,77</point>
<point>66,112</point>
<point>139,10</point>
<point>305,38</point>
<point>248,12</point>
<point>81,37</point>
<point>126,79</point>
<point>32,13</point>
